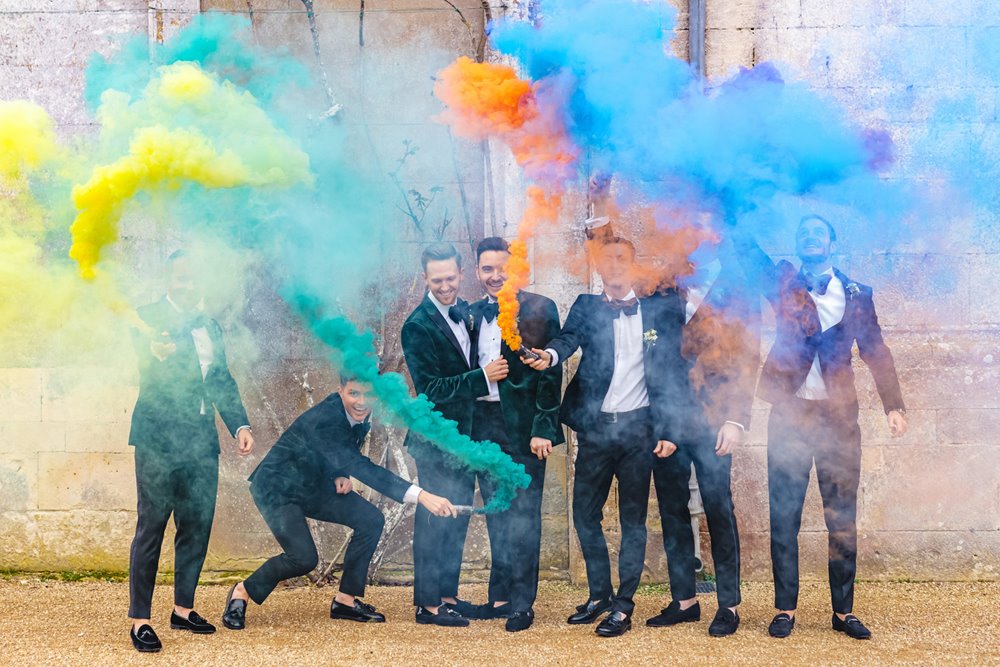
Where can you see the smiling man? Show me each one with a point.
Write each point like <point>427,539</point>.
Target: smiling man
<point>521,414</point>
<point>808,378</point>
<point>440,351</point>
<point>307,474</point>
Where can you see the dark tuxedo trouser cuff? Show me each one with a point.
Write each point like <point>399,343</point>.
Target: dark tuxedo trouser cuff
<point>188,491</point>
<point>671,478</point>
<point>624,451</point>
<point>799,434</point>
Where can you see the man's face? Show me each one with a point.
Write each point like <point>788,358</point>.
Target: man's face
<point>812,241</point>
<point>443,278</point>
<point>356,397</point>
<point>181,285</point>
<point>492,270</point>
<point>615,264</point>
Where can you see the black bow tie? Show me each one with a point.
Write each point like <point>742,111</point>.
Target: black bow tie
<point>459,312</point>
<point>627,306</point>
<point>817,284</point>
<point>490,310</point>
<point>359,431</point>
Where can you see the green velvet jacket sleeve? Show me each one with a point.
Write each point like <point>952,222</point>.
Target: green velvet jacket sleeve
<point>548,393</point>
<point>420,352</point>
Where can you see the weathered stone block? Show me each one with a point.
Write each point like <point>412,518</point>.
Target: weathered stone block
<point>18,484</point>
<point>958,426</point>
<point>86,481</point>
<point>21,394</point>
<point>98,437</point>
<point>87,395</point>
<point>20,439</point>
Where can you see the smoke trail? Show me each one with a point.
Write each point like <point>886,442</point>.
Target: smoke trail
<point>485,100</point>
<point>256,172</point>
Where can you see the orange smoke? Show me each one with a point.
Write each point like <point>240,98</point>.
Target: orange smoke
<point>485,101</point>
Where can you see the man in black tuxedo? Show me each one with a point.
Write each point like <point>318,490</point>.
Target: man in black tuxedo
<point>626,401</point>
<point>808,379</point>
<point>183,379</point>
<point>521,414</point>
<point>721,345</point>
<point>307,474</point>
<point>440,352</point>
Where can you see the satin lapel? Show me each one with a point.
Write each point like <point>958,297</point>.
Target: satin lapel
<point>436,317</point>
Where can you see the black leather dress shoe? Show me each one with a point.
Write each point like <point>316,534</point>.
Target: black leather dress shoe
<point>781,626</point>
<point>589,612</point>
<point>145,640</point>
<point>359,611</point>
<point>489,612</point>
<point>234,616</point>
<point>464,608</point>
<point>446,617</point>
<point>672,614</point>
<point>724,624</point>
<point>612,626</point>
<point>852,627</point>
<point>519,620</point>
<point>194,622</point>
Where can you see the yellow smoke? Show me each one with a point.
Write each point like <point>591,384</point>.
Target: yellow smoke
<point>187,127</point>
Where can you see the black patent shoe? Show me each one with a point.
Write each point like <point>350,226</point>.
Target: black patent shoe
<point>589,611</point>
<point>194,622</point>
<point>852,627</point>
<point>781,626</point>
<point>361,612</point>
<point>724,624</point>
<point>145,640</point>
<point>612,626</point>
<point>672,614</point>
<point>489,611</point>
<point>234,616</point>
<point>445,617</point>
<point>519,620</point>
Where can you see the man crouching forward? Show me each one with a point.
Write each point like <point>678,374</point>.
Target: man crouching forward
<point>307,474</point>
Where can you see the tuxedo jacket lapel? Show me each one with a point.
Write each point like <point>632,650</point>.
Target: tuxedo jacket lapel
<point>445,328</point>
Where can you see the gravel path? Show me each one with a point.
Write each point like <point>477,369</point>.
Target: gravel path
<point>58,623</point>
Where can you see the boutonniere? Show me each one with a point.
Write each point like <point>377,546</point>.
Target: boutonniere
<point>853,290</point>
<point>649,338</point>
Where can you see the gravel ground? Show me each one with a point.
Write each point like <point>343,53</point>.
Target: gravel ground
<point>59,623</point>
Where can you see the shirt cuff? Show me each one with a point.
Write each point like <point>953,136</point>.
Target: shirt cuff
<point>245,426</point>
<point>412,494</point>
<point>742,427</point>
<point>555,357</point>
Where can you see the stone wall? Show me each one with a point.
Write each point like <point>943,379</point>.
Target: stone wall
<point>929,503</point>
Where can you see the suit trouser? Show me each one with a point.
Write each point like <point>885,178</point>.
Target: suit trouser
<point>622,450</point>
<point>515,534</point>
<point>800,432</point>
<point>671,477</point>
<point>286,517</point>
<point>439,542</point>
<point>187,489</point>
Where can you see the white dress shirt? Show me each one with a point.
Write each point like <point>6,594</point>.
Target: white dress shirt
<point>206,353</point>
<point>628,382</point>
<point>458,328</point>
<point>413,492</point>
<point>489,349</point>
<point>830,307</point>
<point>696,293</point>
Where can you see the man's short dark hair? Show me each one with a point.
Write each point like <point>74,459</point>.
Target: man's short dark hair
<point>813,216</point>
<point>619,240</point>
<point>491,244</point>
<point>439,252</point>
<point>346,376</point>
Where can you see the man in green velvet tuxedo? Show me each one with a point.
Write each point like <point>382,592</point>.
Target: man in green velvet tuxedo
<point>521,414</point>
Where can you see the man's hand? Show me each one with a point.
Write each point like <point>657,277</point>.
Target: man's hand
<point>730,436</point>
<point>541,447</point>
<point>496,370</point>
<point>664,448</point>
<point>540,364</point>
<point>161,349</point>
<point>897,424</point>
<point>344,485</point>
<point>437,505</point>
<point>244,440</point>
